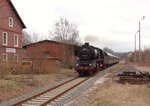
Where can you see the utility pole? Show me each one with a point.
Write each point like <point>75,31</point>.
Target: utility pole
<point>135,48</point>
<point>140,38</point>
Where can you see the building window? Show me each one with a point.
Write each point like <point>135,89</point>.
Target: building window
<point>10,21</point>
<point>5,38</point>
<point>16,57</point>
<point>5,57</point>
<point>16,40</point>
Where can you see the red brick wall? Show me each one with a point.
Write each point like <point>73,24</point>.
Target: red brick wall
<point>46,49</point>
<point>7,11</point>
<point>52,49</point>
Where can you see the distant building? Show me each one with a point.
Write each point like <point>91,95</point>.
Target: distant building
<point>49,49</point>
<point>11,27</point>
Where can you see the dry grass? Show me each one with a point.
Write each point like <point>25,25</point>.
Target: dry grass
<point>67,72</point>
<point>9,88</point>
<point>145,58</point>
<point>14,85</point>
<point>143,68</point>
<point>113,94</point>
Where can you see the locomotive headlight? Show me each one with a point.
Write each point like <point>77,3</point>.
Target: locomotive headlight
<point>90,64</point>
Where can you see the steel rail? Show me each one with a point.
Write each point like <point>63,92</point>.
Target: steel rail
<point>23,101</point>
<point>56,97</point>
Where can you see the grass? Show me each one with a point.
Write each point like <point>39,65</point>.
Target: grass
<point>103,102</point>
<point>123,95</point>
<point>10,88</point>
<point>112,93</point>
<point>67,72</point>
<point>19,84</point>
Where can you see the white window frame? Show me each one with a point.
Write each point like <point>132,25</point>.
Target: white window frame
<point>6,57</point>
<point>16,45</point>
<point>6,38</point>
<point>10,21</point>
<point>16,60</point>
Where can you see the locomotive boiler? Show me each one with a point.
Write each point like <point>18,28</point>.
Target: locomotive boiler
<point>90,59</point>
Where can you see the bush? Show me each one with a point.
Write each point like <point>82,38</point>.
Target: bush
<point>145,57</point>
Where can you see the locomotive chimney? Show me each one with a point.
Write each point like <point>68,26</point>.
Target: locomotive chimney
<point>87,44</point>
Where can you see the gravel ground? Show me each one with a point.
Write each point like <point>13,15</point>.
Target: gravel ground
<point>30,94</point>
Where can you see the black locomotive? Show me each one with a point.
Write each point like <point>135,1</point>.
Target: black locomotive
<point>90,59</point>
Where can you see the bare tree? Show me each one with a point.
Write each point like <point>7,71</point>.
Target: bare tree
<point>66,33</point>
<point>36,36</point>
<point>26,38</point>
<point>31,37</point>
<point>145,57</point>
<point>34,54</point>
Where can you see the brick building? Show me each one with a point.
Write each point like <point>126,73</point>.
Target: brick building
<point>44,49</point>
<point>49,49</point>
<point>11,27</point>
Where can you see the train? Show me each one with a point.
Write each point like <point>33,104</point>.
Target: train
<point>90,59</point>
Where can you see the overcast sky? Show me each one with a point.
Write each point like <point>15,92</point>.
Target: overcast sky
<point>104,23</point>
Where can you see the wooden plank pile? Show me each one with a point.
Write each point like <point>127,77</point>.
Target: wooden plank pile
<point>134,77</point>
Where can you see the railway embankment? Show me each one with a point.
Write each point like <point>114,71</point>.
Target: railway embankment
<point>108,92</point>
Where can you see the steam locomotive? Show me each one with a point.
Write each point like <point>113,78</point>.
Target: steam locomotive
<point>90,59</point>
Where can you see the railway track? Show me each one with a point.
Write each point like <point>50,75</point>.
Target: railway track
<point>46,97</point>
<point>59,94</point>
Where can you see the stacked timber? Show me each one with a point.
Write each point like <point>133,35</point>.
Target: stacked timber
<point>134,77</point>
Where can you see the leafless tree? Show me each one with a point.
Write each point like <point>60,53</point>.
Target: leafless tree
<point>31,37</point>
<point>26,38</point>
<point>66,33</point>
<point>36,36</point>
<point>145,57</point>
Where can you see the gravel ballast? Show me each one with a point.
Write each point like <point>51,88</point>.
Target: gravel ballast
<point>76,92</point>
<point>32,93</point>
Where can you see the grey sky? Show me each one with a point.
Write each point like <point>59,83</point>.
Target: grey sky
<point>104,23</point>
